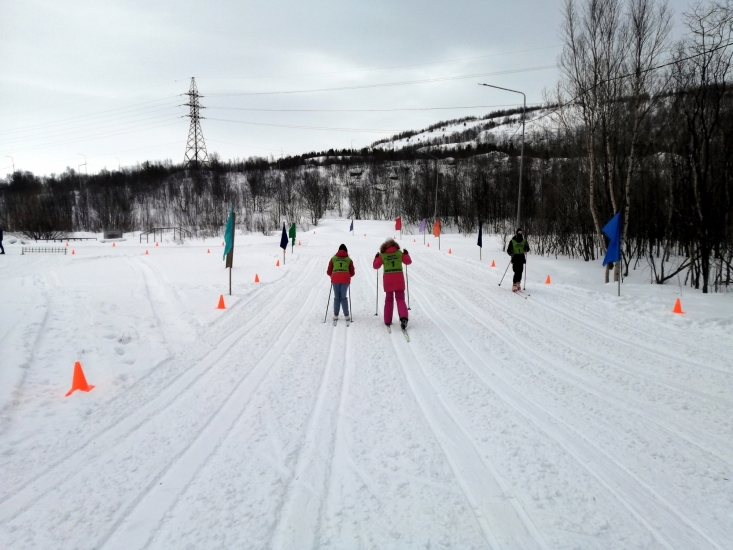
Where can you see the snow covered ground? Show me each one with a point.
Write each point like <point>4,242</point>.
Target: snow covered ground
<point>571,419</point>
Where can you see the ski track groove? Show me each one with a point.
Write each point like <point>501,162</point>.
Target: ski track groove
<point>600,331</point>
<point>539,416</point>
<point>172,392</point>
<point>560,373</point>
<point>467,458</point>
<point>599,335</point>
<point>295,518</point>
<point>150,506</point>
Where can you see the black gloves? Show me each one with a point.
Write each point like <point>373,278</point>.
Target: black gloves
<point>376,255</point>
<point>405,251</point>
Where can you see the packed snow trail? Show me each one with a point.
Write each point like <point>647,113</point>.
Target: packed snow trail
<point>572,419</point>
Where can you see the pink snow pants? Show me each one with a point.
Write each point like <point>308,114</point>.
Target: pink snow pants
<point>389,305</point>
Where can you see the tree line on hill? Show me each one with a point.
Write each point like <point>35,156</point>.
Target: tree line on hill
<point>637,124</point>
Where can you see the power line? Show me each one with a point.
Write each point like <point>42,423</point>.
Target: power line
<point>98,136</point>
<point>389,84</point>
<point>363,110</point>
<point>99,114</point>
<point>374,69</point>
<point>300,127</point>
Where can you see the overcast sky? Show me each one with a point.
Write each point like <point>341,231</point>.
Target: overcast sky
<point>103,79</point>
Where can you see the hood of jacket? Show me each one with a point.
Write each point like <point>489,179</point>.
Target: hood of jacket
<point>386,245</point>
<point>342,254</point>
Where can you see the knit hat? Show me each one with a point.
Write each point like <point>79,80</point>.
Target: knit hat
<point>343,247</point>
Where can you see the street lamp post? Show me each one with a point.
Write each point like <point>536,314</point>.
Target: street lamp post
<point>435,210</point>
<point>86,169</point>
<point>521,158</point>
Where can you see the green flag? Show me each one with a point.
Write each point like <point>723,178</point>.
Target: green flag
<point>229,238</point>
<point>292,232</point>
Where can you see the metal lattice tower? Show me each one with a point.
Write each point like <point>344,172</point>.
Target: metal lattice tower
<point>196,155</point>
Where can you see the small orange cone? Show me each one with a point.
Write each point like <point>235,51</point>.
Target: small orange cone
<point>146,252</point>
<point>677,307</point>
<point>493,263</point>
<point>277,264</point>
<point>114,244</point>
<point>67,244</point>
<point>79,382</point>
<point>298,243</point>
<point>365,234</point>
<point>414,241</point>
<point>450,251</point>
<point>428,245</point>
<point>73,252</point>
<point>208,251</point>
<point>221,303</point>
<point>257,278</point>
<point>222,243</point>
<point>156,244</point>
<point>314,232</point>
<point>547,281</point>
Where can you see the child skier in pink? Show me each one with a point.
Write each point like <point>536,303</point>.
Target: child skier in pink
<point>391,257</point>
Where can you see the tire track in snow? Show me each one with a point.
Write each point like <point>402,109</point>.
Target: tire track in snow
<point>136,527</point>
<point>713,447</point>
<point>19,499</point>
<point>503,520</point>
<point>631,491</point>
<point>302,508</point>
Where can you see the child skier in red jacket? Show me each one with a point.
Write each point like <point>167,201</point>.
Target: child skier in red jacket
<point>392,258</point>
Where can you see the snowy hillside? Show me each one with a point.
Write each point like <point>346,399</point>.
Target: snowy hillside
<point>497,129</point>
<point>570,419</point>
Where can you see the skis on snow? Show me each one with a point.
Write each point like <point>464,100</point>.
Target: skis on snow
<point>404,332</point>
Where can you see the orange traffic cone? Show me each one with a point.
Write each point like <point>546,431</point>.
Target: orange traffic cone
<point>493,263</point>
<point>222,243</point>
<point>414,241</point>
<point>114,244</point>
<point>79,382</point>
<point>221,303</point>
<point>677,307</point>
<point>67,244</point>
<point>208,251</point>
<point>298,243</point>
<point>314,232</point>
<point>146,252</point>
<point>73,252</point>
<point>547,281</point>
<point>450,251</point>
<point>277,264</point>
<point>156,244</point>
<point>428,245</point>
<point>257,278</point>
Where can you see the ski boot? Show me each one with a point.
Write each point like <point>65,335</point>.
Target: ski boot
<point>403,323</point>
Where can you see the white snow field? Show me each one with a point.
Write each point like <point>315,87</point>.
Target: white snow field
<point>571,419</point>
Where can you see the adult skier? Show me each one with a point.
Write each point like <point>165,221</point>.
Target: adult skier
<point>392,258</point>
<point>517,249</point>
<point>341,270</point>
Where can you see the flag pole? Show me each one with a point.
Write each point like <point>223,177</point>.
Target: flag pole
<point>230,281</point>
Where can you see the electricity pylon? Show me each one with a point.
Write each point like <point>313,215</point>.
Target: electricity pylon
<point>196,155</point>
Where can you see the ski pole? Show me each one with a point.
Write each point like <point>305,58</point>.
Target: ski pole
<point>376,306</point>
<point>351,309</point>
<point>328,303</point>
<point>502,277</point>
<point>408,288</point>
<point>525,274</point>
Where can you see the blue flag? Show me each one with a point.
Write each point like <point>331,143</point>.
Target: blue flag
<point>351,228</point>
<point>613,231</point>
<point>284,239</point>
<point>229,236</point>
<point>480,234</point>
<point>422,226</point>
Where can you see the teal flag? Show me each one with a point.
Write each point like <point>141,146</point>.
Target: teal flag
<point>292,233</point>
<point>229,238</point>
